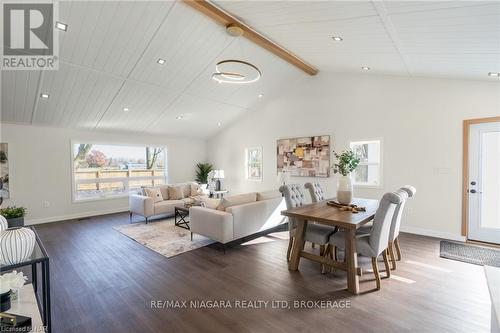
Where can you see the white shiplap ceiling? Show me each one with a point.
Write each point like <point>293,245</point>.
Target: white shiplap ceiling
<point>109,53</point>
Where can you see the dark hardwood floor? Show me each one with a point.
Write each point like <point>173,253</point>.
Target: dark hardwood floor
<point>103,281</point>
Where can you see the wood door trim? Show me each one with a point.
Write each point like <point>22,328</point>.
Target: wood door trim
<point>225,18</point>
<point>465,166</point>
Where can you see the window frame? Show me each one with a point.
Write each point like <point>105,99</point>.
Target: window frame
<point>380,163</point>
<point>247,164</point>
<point>74,198</point>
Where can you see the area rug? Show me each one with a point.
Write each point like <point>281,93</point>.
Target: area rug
<point>471,254</point>
<point>163,237</point>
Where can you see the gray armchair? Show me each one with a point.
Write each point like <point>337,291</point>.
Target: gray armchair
<point>315,233</point>
<point>317,193</point>
<point>375,243</point>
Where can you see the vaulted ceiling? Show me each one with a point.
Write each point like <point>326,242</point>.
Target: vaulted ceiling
<point>108,58</point>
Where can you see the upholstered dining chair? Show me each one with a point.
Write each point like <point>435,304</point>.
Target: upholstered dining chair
<point>410,190</point>
<point>315,233</point>
<point>375,243</point>
<point>317,193</point>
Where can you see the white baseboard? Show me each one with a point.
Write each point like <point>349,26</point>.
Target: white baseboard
<point>432,233</point>
<point>75,216</point>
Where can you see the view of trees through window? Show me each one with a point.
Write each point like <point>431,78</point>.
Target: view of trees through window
<point>114,170</point>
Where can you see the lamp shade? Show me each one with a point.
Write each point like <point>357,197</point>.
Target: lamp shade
<point>218,174</point>
<point>283,177</point>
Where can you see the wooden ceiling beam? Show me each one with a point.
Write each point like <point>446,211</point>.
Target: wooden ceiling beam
<point>224,18</point>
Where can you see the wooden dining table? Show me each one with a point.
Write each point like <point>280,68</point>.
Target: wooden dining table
<point>321,213</point>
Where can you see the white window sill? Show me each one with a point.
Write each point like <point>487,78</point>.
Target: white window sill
<point>368,186</point>
<point>121,196</point>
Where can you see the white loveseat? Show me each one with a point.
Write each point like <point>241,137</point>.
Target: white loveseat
<point>144,205</point>
<point>238,216</point>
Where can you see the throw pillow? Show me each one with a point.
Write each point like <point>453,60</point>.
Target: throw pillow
<point>155,193</point>
<point>164,191</point>
<point>186,190</point>
<point>210,202</point>
<point>195,190</point>
<point>175,193</point>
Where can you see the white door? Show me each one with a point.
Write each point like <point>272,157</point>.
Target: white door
<point>484,182</point>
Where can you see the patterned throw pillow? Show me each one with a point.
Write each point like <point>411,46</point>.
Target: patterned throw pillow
<point>210,202</point>
<point>155,193</point>
<point>175,192</point>
<point>195,190</point>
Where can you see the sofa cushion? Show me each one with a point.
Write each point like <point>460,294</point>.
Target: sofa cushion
<point>211,202</point>
<point>239,199</point>
<point>268,195</point>
<point>155,193</point>
<point>167,206</point>
<point>175,192</point>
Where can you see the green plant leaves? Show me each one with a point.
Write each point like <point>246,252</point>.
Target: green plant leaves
<point>346,162</point>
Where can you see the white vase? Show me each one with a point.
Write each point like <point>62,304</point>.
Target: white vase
<point>344,189</point>
<point>3,223</point>
<point>16,245</point>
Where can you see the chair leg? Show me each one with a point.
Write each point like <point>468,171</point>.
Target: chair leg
<point>322,251</point>
<point>386,263</point>
<point>289,251</point>
<point>146,220</point>
<point>335,253</point>
<point>375,271</point>
<point>313,245</point>
<point>398,249</point>
<point>130,217</point>
<point>390,248</point>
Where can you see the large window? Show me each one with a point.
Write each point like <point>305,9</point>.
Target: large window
<point>103,171</point>
<point>369,170</point>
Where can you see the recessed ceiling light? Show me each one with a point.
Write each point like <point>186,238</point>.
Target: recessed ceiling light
<point>161,61</point>
<point>494,74</point>
<point>179,117</point>
<point>261,95</point>
<point>219,124</point>
<point>61,26</point>
<point>337,38</point>
<point>44,96</point>
<point>365,68</point>
<point>126,109</point>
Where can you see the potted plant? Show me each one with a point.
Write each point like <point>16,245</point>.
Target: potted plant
<point>10,284</point>
<point>345,163</point>
<point>202,170</point>
<point>14,215</point>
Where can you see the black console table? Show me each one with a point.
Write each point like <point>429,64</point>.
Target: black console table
<point>38,260</point>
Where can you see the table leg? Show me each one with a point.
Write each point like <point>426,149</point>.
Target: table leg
<point>352,261</point>
<point>34,277</point>
<point>298,245</point>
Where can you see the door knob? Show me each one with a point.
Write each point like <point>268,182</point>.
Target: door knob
<point>473,183</point>
<point>472,191</point>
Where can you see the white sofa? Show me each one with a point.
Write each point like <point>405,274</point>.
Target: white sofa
<point>144,205</point>
<point>238,216</point>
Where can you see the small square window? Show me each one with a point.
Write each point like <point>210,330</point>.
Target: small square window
<point>369,170</point>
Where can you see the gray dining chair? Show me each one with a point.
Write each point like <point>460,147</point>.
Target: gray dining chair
<point>315,233</point>
<point>317,193</point>
<point>394,239</point>
<point>375,243</point>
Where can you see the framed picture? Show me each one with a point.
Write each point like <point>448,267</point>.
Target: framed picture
<point>4,171</point>
<point>305,156</point>
<point>254,163</point>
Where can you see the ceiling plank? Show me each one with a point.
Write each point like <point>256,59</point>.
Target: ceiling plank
<point>224,18</point>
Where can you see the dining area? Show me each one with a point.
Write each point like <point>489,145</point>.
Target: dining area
<point>344,231</point>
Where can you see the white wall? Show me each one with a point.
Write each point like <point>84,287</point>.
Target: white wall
<point>419,121</point>
<point>40,168</point>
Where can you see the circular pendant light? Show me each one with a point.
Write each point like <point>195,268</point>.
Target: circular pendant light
<point>235,71</point>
